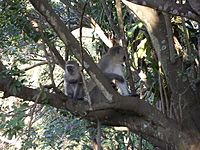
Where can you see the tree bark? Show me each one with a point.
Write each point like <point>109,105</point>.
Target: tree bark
<point>190,9</point>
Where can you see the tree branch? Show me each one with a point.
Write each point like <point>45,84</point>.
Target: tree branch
<point>51,46</point>
<point>35,65</point>
<point>170,6</point>
<point>29,94</point>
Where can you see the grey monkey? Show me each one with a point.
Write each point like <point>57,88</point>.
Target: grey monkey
<point>73,81</point>
<point>112,66</point>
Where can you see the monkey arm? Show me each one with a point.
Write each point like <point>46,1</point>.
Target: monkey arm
<point>78,91</point>
<point>103,63</point>
<point>72,81</point>
<point>123,88</point>
<point>112,76</point>
<point>69,90</point>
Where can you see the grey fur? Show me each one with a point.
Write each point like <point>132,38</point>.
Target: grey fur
<point>73,81</point>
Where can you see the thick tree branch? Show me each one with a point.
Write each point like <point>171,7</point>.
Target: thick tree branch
<point>145,129</point>
<point>170,6</point>
<point>6,83</point>
<point>130,104</point>
<point>121,113</point>
<point>156,27</point>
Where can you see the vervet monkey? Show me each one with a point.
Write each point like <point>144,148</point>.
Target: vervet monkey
<point>112,66</point>
<point>73,81</point>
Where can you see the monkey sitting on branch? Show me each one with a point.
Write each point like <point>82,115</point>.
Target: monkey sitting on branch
<point>111,65</point>
<point>73,84</point>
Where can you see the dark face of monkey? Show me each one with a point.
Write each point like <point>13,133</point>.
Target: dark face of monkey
<point>70,69</point>
<point>72,72</point>
<point>73,81</point>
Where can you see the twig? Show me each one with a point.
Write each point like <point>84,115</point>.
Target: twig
<point>51,67</point>
<point>109,16</point>
<point>161,89</point>
<point>35,65</point>
<point>86,90</point>
<point>166,102</point>
<point>176,114</point>
<point>124,45</point>
<point>82,59</point>
<point>33,109</point>
<point>81,43</point>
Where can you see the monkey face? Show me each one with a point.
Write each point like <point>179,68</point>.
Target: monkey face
<point>71,67</point>
<point>118,54</point>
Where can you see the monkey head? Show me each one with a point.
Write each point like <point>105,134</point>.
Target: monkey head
<point>72,72</point>
<point>118,54</point>
<point>72,67</point>
<point>73,81</point>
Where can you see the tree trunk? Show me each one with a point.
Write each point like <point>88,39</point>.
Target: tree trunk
<point>184,98</point>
